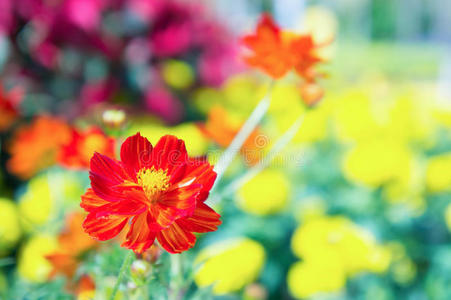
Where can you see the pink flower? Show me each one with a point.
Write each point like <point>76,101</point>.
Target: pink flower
<point>160,102</point>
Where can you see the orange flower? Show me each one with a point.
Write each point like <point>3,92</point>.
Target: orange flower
<point>82,145</point>
<point>159,191</point>
<point>221,128</point>
<point>36,146</point>
<point>73,243</point>
<point>277,52</point>
<point>8,106</point>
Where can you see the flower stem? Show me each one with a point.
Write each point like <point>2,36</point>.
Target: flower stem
<point>240,138</point>
<point>125,265</point>
<point>278,146</point>
<point>176,276</point>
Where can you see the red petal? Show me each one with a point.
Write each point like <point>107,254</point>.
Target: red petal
<point>136,153</point>
<point>176,239</point>
<point>169,153</point>
<point>204,219</point>
<point>106,174</point>
<point>140,236</point>
<point>104,228</point>
<point>202,173</point>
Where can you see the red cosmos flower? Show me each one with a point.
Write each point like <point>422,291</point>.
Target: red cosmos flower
<point>82,145</point>
<point>159,190</point>
<point>277,52</point>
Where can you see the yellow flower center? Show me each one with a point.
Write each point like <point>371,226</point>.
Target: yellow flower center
<point>153,182</point>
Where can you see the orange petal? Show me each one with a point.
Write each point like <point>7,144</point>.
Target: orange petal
<point>204,219</point>
<point>105,227</point>
<point>140,237</point>
<point>176,239</point>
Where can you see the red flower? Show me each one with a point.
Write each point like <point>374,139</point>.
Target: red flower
<point>277,52</point>
<point>159,190</point>
<point>82,145</point>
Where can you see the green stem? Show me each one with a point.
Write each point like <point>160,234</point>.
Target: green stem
<point>240,138</point>
<point>125,265</point>
<point>275,150</point>
<point>176,276</point>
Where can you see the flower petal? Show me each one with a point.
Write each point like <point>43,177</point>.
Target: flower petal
<point>133,204</point>
<point>90,201</point>
<point>169,153</point>
<point>136,153</point>
<point>141,234</point>
<point>176,239</point>
<point>106,174</point>
<point>268,50</point>
<point>200,173</point>
<point>104,228</point>
<point>204,219</point>
<point>164,215</point>
<point>181,198</point>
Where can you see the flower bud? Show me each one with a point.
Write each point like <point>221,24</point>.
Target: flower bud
<point>113,118</point>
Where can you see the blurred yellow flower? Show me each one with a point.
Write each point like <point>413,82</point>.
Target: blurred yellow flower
<point>306,279</point>
<point>410,118</point>
<point>230,265</point>
<point>33,265</point>
<point>354,116</point>
<point>438,175</point>
<point>377,162</point>
<point>443,116</point>
<point>36,203</point>
<point>177,74</point>
<point>329,240</point>
<point>314,125</point>
<point>10,229</point>
<point>258,195</point>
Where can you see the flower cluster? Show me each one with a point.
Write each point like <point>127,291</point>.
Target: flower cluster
<point>67,145</point>
<point>102,199</point>
<point>81,53</point>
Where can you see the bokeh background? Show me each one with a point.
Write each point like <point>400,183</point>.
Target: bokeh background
<point>357,206</point>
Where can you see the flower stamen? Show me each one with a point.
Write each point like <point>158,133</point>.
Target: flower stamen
<point>153,182</point>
